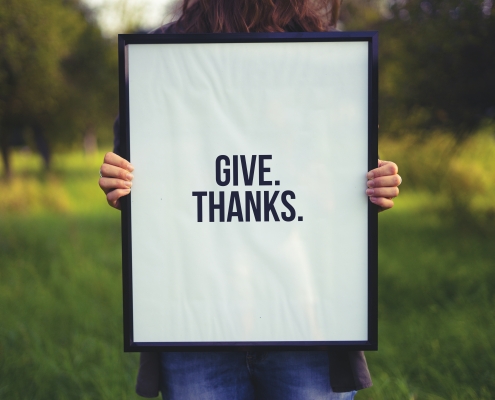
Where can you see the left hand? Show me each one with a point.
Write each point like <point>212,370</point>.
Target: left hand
<point>116,178</point>
<point>383,184</point>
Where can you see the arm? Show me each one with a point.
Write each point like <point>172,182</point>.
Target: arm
<point>383,184</point>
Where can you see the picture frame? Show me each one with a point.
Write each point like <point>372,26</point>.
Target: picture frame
<point>248,225</point>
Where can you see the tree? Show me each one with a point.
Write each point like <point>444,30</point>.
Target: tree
<point>92,84</point>
<point>437,62</point>
<point>42,86</point>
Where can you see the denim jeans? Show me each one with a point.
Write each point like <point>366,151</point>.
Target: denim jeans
<point>254,375</point>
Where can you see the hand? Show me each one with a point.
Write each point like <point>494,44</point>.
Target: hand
<point>116,178</point>
<point>383,184</point>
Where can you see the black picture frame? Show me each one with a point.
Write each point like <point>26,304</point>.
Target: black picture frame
<point>371,38</point>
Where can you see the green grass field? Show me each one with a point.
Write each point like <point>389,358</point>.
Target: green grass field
<point>60,294</point>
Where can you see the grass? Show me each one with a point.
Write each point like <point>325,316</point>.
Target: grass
<point>436,310</point>
<point>61,326</point>
<point>60,285</point>
<point>60,294</point>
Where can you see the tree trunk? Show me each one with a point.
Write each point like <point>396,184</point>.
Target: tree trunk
<point>5,149</point>
<point>42,146</point>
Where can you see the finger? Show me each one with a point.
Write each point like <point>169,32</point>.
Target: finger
<point>114,196</point>
<point>382,202</point>
<point>384,181</point>
<point>109,184</point>
<point>115,204</point>
<point>384,168</point>
<point>389,192</point>
<point>113,159</point>
<point>111,171</point>
<point>384,162</point>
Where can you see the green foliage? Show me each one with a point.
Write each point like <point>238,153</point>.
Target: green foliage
<point>360,15</point>
<point>436,62</point>
<point>35,37</point>
<point>57,73</point>
<point>437,65</point>
<point>92,87</point>
<point>461,177</point>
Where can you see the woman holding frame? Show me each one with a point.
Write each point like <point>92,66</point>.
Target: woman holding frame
<point>332,375</point>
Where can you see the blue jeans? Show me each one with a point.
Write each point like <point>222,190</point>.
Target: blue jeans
<point>253,375</point>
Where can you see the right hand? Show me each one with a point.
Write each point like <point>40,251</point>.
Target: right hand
<point>116,178</point>
<point>383,184</point>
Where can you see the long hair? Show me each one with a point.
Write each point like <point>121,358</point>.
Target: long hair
<point>228,16</point>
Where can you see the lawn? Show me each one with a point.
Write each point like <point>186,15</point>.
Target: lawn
<point>61,300</point>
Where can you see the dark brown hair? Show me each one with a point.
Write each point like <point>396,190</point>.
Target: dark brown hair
<point>227,16</point>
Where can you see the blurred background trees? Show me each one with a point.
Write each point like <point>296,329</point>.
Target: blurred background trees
<point>437,63</point>
<point>58,76</point>
<point>437,98</point>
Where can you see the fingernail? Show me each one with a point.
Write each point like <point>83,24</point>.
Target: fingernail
<point>128,183</point>
<point>371,183</point>
<point>369,192</point>
<point>130,177</point>
<point>130,167</point>
<point>373,199</point>
<point>370,175</point>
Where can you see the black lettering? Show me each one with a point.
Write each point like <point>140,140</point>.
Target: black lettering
<point>251,204</point>
<point>235,173</point>
<point>263,169</point>
<point>220,206</point>
<point>269,207</point>
<point>248,177</point>
<point>200,195</point>
<point>235,200</point>
<point>218,171</point>
<point>292,215</point>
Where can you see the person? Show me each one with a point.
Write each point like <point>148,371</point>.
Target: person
<point>247,375</point>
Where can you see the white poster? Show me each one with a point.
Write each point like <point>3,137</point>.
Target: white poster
<point>248,208</point>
